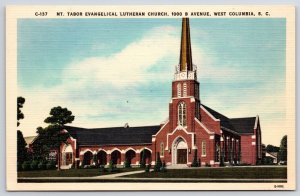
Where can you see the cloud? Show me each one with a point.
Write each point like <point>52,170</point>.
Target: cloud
<point>128,67</point>
<point>100,90</point>
<point>113,90</point>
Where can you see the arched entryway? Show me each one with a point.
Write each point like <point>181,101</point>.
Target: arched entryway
<point>87,158</point>
<point>67,156</point>
<point>102,157</point>
<point>116,157</point>
<point>180,151</point>
<point>129,156</point>
<point>145,156</point>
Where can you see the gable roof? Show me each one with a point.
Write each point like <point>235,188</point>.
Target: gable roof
<point>225,121</point>
<point>238,125</point>
<point>243,125</point>
<point>113,135</point>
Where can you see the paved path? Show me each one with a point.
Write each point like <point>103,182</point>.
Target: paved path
<point>119,174</point>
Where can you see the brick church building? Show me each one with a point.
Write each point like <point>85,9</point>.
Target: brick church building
<point>192,129</point>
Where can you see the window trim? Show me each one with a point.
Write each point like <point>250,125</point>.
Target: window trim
<point>182,114</point>
<point>203,148</point>
<point>179,90</point>
<point>162,149</point>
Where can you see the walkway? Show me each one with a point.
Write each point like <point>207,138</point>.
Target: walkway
<point>109,176</point>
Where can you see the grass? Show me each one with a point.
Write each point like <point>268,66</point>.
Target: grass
<point>219,173</point>
<point>70,172</point>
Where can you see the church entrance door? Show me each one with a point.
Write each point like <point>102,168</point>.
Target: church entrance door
<point>180,148</point>
<point>181,156</point>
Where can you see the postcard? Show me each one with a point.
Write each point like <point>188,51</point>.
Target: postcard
<point>150,98</point>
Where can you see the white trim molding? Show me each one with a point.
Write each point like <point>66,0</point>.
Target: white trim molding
<point>209,114</point>
<point>160,129</point>
<point>117,149</point>
<point>130,148</point>
<point>179,127</point>
<point>204,127</point>
<point>256,122</point>
<point>146,148</point>
<point>101,149</point>
<point>86,150</point>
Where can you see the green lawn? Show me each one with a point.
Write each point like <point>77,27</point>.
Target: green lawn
<point>70,172</point>
<point>220,173</point>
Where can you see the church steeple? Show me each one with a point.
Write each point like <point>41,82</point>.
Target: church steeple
<point>185,103</point>
<point>185,70</point>
<point>185,62</point>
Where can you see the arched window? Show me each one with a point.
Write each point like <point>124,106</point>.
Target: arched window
<point>182,114</point>
<point>179,90</point>
<point>203,148</point>
<point>162,150</point>
<point>196,91</point>
<point>197,112</point>
<point>184,89</point>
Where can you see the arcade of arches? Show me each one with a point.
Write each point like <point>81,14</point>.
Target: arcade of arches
<point>118,157</point>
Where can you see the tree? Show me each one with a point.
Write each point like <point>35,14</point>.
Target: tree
<point>51,137</point>
<point>20,103</point>
<point>59,116</point>
<point>195,159</point>
<point>158,163</point>
<point>21,143</point>
<point>143,159</point>
<point>21,148</point>
<point>271,148</point>
<point>283,149</point>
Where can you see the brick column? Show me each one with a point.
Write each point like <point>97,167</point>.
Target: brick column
<point>108,158</point>
<point>137,158</point>
<point>122,161</point>
<point>222,149</point>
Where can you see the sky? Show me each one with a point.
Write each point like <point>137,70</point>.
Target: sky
<point>109,72</point>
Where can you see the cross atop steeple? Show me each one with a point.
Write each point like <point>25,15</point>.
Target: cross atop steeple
<point>185,62</point>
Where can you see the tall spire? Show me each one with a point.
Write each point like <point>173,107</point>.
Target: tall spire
<point>185,49</point>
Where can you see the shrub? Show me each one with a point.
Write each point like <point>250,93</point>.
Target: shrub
<point>90,166</point>
<point>142,164</point>
<point>158,164</point>
<point>207,165</point>
<point>127,164</point>
<point>50,165</point>
<point>19,166</point>
<point>42,165</point>
<point>222,164</point>
<point>147,168</point>
<point>111,167</point>
<point>34,165</point>
<point>102,169</point>
<point>143,160</point>
<point>26,165</point>
<point>199,162</point>
<point>195,162</point>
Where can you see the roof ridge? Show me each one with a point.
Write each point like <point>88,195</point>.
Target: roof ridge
<point>214,111</point>
<point>111,127</point>
<point>243,117</point>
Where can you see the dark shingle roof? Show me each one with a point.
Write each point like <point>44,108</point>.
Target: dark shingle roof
<point>243,125</point>
<point>225,122</point>
<point>113,135</point>
<point>238,125</point>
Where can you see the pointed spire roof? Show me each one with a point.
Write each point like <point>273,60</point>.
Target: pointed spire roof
<point>185,61</point>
